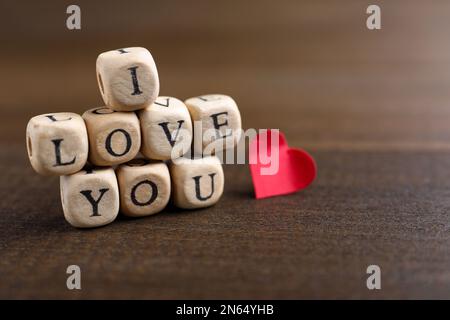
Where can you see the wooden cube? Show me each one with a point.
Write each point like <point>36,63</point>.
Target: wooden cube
<point>144,187</point>
<point>196,183</point>
<point>114,137</point>
<point>128,78</point>
<point>90,198</point>
<point>57,143</point>
<point>165,126</point>
<point>217,122</point>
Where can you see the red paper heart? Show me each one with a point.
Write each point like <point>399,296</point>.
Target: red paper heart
<point>296,168</point>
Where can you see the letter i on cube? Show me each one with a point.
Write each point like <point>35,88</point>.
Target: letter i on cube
<point>128,78</point>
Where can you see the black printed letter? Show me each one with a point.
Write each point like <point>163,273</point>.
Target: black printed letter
<point>93,202</point>
<point>167,132</point>
<point>197,187</point>
<point>135,81</point>
<point>152,198</point>
<point>217,125</point>
<point>57,143</point>
<point>108,145</point>
<point>53,119</point>
<point>163,105</point>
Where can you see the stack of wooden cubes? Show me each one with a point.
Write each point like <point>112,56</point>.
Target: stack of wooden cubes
<point>137,152</point>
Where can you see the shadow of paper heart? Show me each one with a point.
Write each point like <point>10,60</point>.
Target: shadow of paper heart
<point>280,171</point>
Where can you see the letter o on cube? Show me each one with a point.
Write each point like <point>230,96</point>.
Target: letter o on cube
<point>114,137</point>
<point>127,78</point>
<point>57,143</point>
<point>196,183</point>
<point>144,187</point>
<point>90,198</point>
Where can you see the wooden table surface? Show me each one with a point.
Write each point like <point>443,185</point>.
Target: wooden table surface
<point>372,107</point>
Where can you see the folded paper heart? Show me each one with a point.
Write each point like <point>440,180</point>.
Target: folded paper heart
<point>277,169</point>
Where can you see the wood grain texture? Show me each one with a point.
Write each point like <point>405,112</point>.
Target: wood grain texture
<point>371,107</point>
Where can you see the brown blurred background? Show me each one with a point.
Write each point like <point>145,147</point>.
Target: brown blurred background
<point>331,81</point>
<point>371,106</point>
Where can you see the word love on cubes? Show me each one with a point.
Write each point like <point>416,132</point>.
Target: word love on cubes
<point>96,154</point>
